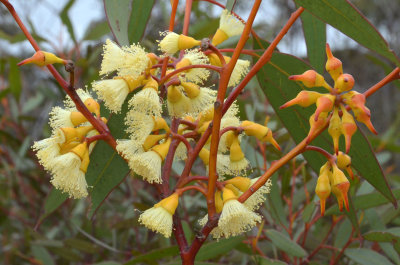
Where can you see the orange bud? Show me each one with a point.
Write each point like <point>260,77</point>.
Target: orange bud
<point>354,99</point>
<point>262,133</point>
<point>316,125</point>
<point>271,140</point>
<point>323,188</point>
<point>304,98</point>
<point>335,129</point>
<point>311,78</point>
<point>345,82</point>
<point>333,65</point>
<point>341,185</point>
<point>324,104</point>
<point>235,151</point>
<point>349,127</point>
<point>214,59</point>
<point>364,116</point>
<point>42,58</point>
<point>344,162</point>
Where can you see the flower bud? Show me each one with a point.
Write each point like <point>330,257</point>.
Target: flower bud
<point>316,125</point>
<point>304,99</point>
<point>354,100</point>
<point>219,204</point>
<point>236,153</point>
<point>170,203</point>
<point>77,118</point>
<point>344,162</point>
<point>340,187</point>
<point>162,149</point>
<point>228,194</point>
<point>42,58</point>
<point>324,104</point>
<point>335,129</point>
<point>241,183</point>
<point>152,140</point>
<point>349,127</point>
<point>310,79</point>
<point>364,116</point>
<point>333,65</point>
<point>345,82</point>
<point>204,155</point>
<point>323,187</point>
<point>159,124</point>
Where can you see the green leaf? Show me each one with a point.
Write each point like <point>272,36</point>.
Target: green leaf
<point>54,200</point>
<point>285,244</point>
<point>315,36</point>
<point>140,14</point>
<point>365,256</point>
<point>42,254</point>
<point>127,19</point>
<point>214,249</point>
<point>389,235</point>
<point>273,79</point>
<point>156,254</point>
<point>106,169</point>
<point>267,261</point>
<point>14,78</point>
<point>342,15</point>
<point>107,263</point>
<point>65,19</point>
<point>97,30</point>
<point>365,201</point>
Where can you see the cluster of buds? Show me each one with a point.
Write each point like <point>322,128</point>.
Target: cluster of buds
<point>331,107</point>
<point>332,179</point>
<point>131,70</point>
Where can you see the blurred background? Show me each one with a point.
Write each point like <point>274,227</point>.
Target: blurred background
<point>76,30</point>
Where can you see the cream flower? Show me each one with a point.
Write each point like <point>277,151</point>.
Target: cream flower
<point>114,91</point>
<point>69,170</point>
<point>159,217</point>
<point>201,98</point>
<point>235,217</point>
<point>178,104</point>
<point>147,165</point>
<point>228,26</point>
<point>147,100</point>
<point>241,69</point>
<point>49,148</point>
<point>131,60</point>
<point>196,75</point>
<point>258,197</point>
<point>172,42</point>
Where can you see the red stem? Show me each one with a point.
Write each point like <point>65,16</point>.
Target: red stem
<point>98,124</point>
<point>395,74</point>
<point>168,76</point>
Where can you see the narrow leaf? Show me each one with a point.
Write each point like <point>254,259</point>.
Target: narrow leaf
<point>285,244</point>
<point>106,169</point>
<point>315,36</point>
<point>365,256</point>
<point>118,13</point>
<point>54,200</point>
<point>214,249</point>
<point>140,14</point>
<point>14,78</point>
<point>65,19</point>
<point>156,254</point>
<point>342,15</point>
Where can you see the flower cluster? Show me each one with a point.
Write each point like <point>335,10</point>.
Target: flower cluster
<point>130,72</point>
<point>333,107</point>
<point>65,154</point>
<point>332,179</point>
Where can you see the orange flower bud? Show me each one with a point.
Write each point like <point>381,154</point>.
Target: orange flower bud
<point>152,140</point>
<point>349,127</point>
<point>364,116</point>
<point>345,82</point>
<point>316,125</point>
<point>324,104</point>
<point>354,100</point>
<point>42,58</point>
<point>323,188</point>
<point>310,79</point>
<point>304,98</point>
<point>335,129</point>
<point>262,133</point>
<point>235,151</point>
<point>333,65</point>
<point>344,162</point>
<point>340,187</point>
